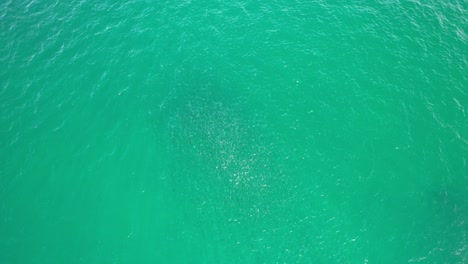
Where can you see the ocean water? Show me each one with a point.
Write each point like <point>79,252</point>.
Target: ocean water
<point>147,131</point>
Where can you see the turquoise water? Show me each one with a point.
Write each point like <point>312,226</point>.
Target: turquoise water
<point>233,131</point>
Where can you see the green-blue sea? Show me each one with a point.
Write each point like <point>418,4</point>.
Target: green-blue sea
<point>195,131</point>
